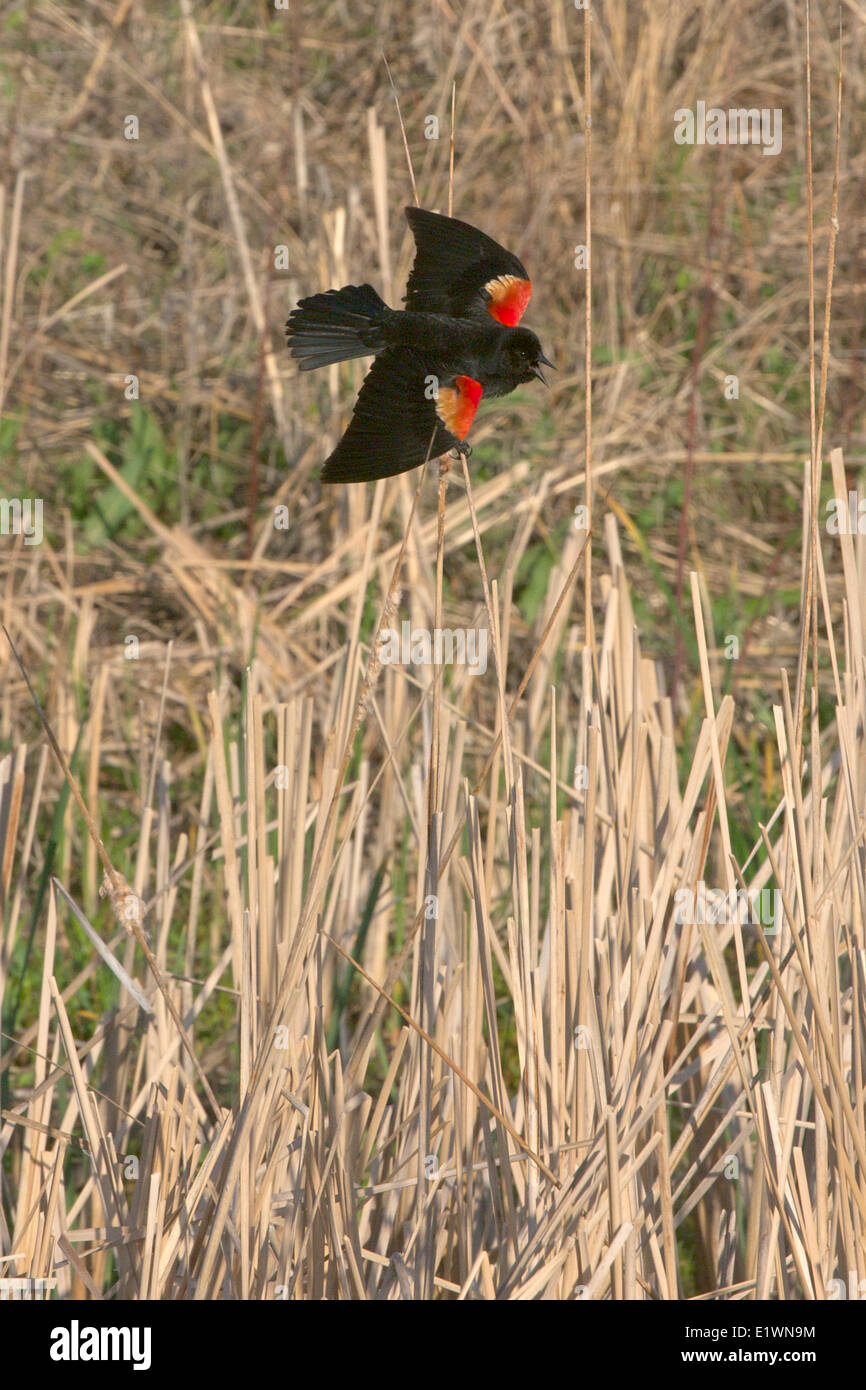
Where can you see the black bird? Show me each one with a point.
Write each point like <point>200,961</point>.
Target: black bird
<point>456,341</point>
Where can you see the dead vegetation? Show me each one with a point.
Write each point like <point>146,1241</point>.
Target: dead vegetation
<point>425,1016</point>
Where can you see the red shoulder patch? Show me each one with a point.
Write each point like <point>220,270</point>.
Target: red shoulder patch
<point>509,296</point>
<point>456,405</point>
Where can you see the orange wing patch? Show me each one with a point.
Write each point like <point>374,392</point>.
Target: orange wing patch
<point>509,296</point>
<point>456,405</point>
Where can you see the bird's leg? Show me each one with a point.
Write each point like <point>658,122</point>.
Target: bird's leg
<point>461,450</point>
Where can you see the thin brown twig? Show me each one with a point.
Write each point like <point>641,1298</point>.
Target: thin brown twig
<point>402,131</point>
<point>449,1061</point>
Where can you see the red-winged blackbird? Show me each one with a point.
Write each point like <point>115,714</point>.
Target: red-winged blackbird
<point>455,341</point>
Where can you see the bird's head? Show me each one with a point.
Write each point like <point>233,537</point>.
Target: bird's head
<point>522,357</point>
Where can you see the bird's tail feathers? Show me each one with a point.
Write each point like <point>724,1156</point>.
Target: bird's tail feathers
<point>336,326</point>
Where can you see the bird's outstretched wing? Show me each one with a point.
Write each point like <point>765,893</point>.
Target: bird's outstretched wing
<point>460,271</point>
<point>403,415</point>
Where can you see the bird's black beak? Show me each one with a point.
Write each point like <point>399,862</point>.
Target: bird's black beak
<point>542,361</point>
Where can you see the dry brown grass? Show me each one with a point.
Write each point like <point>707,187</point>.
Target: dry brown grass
<point>549,1086</point>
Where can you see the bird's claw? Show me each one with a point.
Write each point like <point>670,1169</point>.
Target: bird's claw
<point>461,450</point>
